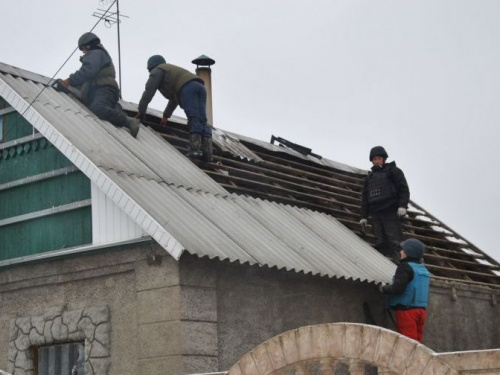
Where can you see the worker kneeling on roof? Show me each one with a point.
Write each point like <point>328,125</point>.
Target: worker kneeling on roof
<point>99,89</point>
<point>409,290</point>
<point>183,88</point>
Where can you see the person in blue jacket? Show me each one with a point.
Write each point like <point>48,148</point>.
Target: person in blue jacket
<point>409,290</point>
<point>97,83</point>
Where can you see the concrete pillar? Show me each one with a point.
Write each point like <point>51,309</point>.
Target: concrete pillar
<point>198,312</point>
<point>159,329</point>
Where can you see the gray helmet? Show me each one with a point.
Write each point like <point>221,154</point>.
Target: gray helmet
<point>154,61</point>
<point>413,248</point>
<point>378,151</point>
<point>88,38</point>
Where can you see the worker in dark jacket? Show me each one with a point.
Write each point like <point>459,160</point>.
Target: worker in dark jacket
<point>385,199</point>
<point>185,89</point>
<point>409,291</point>
<point>96,80</point>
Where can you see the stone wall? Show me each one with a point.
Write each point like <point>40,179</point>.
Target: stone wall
<point>90,325</point>
<point>200,315</point>
<point>122,302</point>
<point>254,304</point>
<point>357,349</point>
<point>462,317</point>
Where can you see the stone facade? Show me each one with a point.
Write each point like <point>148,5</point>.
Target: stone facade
<point>254,304</point>
<point>91,325</point>
<point>200,315</point>
<point>357,349</point>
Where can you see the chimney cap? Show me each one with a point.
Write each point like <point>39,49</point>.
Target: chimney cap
<point>203,60</point>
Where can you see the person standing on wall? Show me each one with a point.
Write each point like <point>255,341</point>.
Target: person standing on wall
<point>97,83</point>
<point>183,88</point>
<point>385,199</point>
<point>409,291</point>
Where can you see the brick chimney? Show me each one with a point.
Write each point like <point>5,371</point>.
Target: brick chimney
<point>203,71</point>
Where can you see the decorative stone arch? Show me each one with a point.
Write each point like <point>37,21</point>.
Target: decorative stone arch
<point>341,348</point>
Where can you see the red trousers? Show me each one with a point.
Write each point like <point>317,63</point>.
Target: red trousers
<point>411,323</point>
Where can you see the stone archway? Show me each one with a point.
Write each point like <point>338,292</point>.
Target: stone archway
<point>341,348</point>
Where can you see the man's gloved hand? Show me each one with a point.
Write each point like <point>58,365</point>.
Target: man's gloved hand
<point>61,85</point>
<point>164,121</point>
<point>139,115</point>
<point>363,223</point>
<point>401,212</point>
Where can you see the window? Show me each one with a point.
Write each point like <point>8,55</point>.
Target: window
<point>63,359</point>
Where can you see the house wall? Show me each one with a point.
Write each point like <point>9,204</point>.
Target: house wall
<point>137,291</point>
<point>44,199</point>
<point>255,304</point>
<point>200,315</point>
<point>14,125</point>
<point>462,317</point>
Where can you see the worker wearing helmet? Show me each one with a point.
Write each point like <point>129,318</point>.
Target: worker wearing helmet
<point>185,89</point>
<point>409,290</point>
<point>99,89</point>
<point>385,199</point>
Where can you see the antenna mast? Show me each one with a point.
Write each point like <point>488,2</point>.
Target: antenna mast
<point>111,18</point>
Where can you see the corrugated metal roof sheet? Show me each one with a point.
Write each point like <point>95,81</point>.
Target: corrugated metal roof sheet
<point>228,142</point>
<point>171,198</point>
<point>276,148</point>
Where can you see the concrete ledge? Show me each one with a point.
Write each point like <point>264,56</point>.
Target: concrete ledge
<point>476,361</point>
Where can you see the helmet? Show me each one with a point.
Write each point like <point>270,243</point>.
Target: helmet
<point>378,151</point>
<point>413,248</point>
<point>154,61</point>
<point>88,38</point>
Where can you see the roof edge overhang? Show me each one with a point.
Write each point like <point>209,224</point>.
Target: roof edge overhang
<point>93,172</point>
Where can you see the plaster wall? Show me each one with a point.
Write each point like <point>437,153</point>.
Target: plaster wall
<point>140,293</point>
<point>462,317</point>
<point>200,315</point>
<point>255,304</point>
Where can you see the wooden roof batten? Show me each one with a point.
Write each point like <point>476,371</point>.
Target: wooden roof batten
<point>281,177</point>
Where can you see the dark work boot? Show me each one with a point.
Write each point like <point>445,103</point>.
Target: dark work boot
<point>194,146</point>
<point>206,147</point>
<point>133,126</point>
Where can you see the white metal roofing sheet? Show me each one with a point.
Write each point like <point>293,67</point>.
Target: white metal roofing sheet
<point>251,230</point>
<point>109,147</point>
<point>179,205</point>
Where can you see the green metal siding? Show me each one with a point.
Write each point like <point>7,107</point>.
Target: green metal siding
<point>15,126</point>
<point>53,232</point>
<point>38,196</point>
<point>31,158</point>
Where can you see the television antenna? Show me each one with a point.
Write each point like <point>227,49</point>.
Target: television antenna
<point>113,18</point>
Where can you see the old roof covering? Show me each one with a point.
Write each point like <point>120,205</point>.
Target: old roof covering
<point>257,202</point>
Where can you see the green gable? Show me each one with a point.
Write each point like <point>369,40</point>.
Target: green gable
<point>44,198</point>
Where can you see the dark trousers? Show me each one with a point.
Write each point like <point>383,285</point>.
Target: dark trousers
<point>193,98</point>
<point>388,234</point>
<point>103,101</point>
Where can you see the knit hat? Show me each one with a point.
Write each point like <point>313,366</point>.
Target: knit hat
<point>378,151</point>
<point>413,248</point>
<point>154,61</point>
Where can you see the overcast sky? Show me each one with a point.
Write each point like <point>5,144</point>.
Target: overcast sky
<point>420,77</point>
